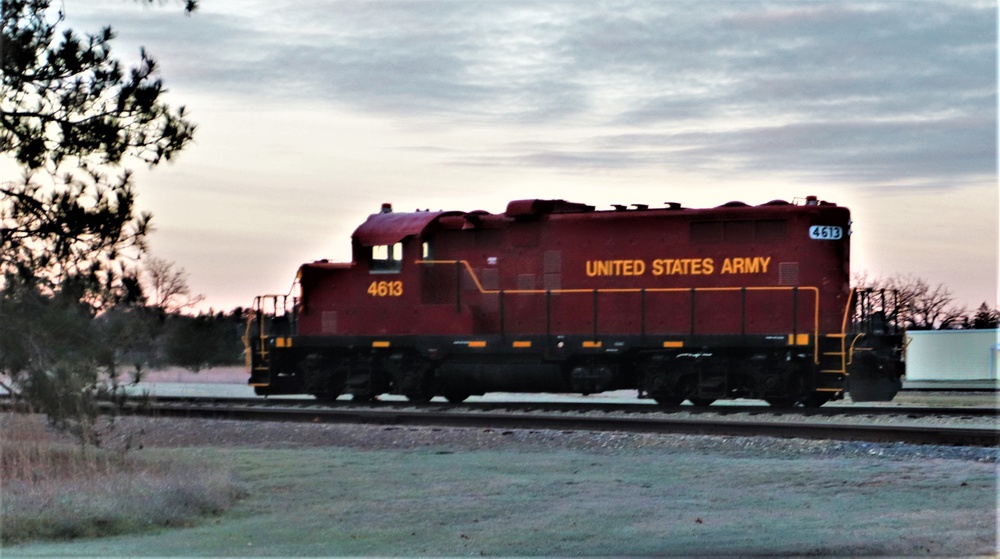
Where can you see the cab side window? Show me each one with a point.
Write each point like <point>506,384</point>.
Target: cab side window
<point>387,258</point>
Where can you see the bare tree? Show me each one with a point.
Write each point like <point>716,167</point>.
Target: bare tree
<point>166,287</point>
<point>915,303</point>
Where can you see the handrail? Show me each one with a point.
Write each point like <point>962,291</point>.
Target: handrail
<point>257,315</point>
<point>484,291</point>
<point>847,310</point>
<point>849,358</point>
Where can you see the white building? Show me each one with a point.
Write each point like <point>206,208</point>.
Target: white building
<point>952,355</point>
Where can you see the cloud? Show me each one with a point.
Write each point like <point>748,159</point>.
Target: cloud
<point>864,91</point>
<point>893,90</point>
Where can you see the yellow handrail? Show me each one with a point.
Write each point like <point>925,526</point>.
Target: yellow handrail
<point>258,312</point>
<point>847,311</point>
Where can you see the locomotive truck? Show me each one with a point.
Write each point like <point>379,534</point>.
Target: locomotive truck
<point>677,303</point>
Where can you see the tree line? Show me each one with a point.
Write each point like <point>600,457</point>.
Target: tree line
<point>173,337</point>
<point>915,304</point>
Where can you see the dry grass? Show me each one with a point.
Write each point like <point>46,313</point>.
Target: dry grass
<point>52,488</point>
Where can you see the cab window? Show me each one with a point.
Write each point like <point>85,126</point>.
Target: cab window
<point>387,258</point>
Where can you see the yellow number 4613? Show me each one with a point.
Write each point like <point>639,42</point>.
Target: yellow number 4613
<point>385,289</point>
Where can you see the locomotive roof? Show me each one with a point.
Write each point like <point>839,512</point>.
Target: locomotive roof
<point>388,227</point>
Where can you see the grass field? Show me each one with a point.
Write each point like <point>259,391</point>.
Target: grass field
<point>443,500</point>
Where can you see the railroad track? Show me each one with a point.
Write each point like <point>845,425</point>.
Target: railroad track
<point>605,407</point>
<point>856,423</point>
<point>718,420</point>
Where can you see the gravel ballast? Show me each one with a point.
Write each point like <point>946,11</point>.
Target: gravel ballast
<point>201,432</point>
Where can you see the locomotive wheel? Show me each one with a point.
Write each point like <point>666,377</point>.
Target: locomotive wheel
<point>796,386</point>
<point>322,376</point>
<point>326,397</point>
<point>366,397</point>
<point>687,387</point>
<point>814,400</point>
<point>659,386</point>
<point>419,397</point>
<point>668,401</point>
<point>787,402</point>
<point>456,398</point>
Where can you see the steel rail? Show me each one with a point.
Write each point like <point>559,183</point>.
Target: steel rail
<point>915,434</point>
<point>607,407</point>
<point>564,416</point>
<point>638,408</point>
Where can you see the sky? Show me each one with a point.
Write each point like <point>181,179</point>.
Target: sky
<point>313,113</point>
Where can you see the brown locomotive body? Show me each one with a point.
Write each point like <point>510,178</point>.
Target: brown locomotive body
<point>736,301</point>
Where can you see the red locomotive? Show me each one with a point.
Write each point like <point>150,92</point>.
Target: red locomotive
<point>680,304</point>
